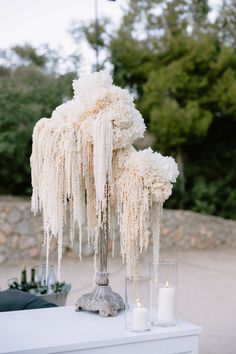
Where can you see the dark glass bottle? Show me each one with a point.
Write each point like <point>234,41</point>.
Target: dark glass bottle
<point>32,288</point>
<point>23,284</point>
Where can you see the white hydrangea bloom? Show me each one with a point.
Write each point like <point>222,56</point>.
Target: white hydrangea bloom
<point>92,84</point>
<point>94,97</point>
<point>67,112</point>
<point>148,162</point>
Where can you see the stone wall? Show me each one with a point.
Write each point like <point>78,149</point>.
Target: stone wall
<point>189,230</point>
<point>21,233</point>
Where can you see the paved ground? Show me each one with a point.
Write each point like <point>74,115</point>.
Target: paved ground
<point>207,291</point>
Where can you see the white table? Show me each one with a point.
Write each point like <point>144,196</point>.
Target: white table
<point>62,330</point>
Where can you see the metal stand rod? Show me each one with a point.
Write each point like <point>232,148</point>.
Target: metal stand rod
<point>102,299</point>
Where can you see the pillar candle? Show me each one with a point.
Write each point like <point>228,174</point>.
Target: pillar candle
<point>166,304</point>
<point>140,318</point>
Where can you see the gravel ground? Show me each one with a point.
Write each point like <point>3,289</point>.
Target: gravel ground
<point>206,290</point>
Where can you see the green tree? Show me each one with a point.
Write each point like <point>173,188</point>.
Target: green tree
<point>27,93</point>
<point>166,65</point>
<point>226,22</point>
<point>181,69</point>
<point>95,33</point>
<point>28,55</point>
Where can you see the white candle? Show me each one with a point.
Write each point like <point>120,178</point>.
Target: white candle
<point>140,318</point>
<point>166,304</point>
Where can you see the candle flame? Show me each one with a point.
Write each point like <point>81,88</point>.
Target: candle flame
<point>167,284</point>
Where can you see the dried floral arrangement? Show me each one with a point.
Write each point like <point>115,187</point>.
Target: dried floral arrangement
<point>86,172</point>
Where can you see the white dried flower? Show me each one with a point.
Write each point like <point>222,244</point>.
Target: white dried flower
<point>95,97</point>
<point>91,84</point>
<point>147,162</point>
<point>67,112</point>
<point>85,149</point>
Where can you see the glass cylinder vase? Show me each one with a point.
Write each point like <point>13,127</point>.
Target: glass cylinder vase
<point>163,294</point>
<point>137,304</point>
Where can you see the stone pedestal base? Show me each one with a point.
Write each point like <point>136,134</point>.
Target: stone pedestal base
<point>103,300</point>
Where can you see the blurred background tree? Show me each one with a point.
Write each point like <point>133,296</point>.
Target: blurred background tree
<point>181,68</point>
<point>30,88</point>
<point>179,61</point>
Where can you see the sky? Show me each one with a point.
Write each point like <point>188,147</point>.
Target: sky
<point>47,21</point>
